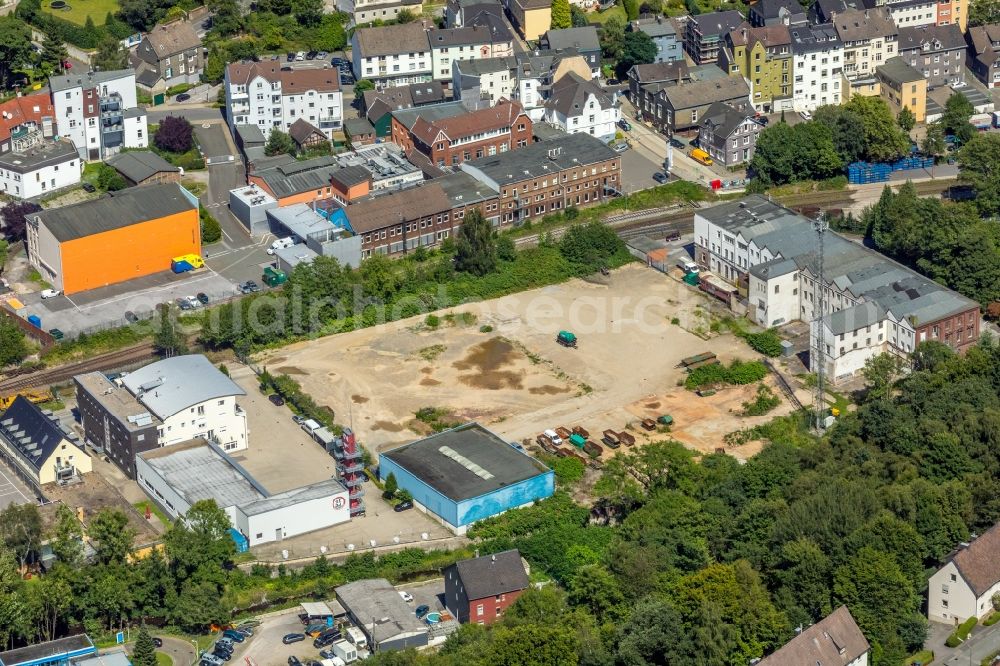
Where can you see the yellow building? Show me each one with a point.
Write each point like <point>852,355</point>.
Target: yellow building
<point>903,86</point>
<point>530,17</point>
<point>762,56</point>
<point>37,448</point>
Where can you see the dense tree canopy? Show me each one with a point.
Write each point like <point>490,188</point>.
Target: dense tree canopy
<point>786,154</point>
<point>979,165</point>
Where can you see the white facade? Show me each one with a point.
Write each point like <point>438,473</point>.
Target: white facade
<point>862,57</point>
<point>590,119</point>
<point>26,183</point>
<point>911,14</point>
<point>284,516</point>
<point>262,102</point>
<point>529,94</point>
<point>397,69</point>
<point>817,77</point>
<point>442,57</point>
<point>218,419</point>
<point>492,85</point>
<point>99,112</point>
<point>950,599</point>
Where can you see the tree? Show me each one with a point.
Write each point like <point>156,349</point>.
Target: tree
<point>13,216</point>
<point>578,17</point>
<point>905,119</point>
<point>979,165</point>
<point>211,231</point>
<point>13,343</point>
<point>506,250</point>
<point>846,130</point>
<point>361,86</point>
<point>405,16</point>
<point>199,546</point>
<point>330,35</point>
<point>54,52</point>
<point>174,135</point>
<point>144,652</point>
<point>884,140</point>
<point>21,530</point>
<point>279,143</point>
<point>308,12</point>
<point>613,38</point>
<point>590,245</point>
<point>67,537</point>
<point>984,12</point>
<point>475,247</point>
<point>198,606</point>
<point>957,111</point>
<point>167,340</point>
<point>654,635</point>
<point>880,373</point>
<point>108,178</point>
<point>110,55</point>
<point>631,9</point>
<point>638,48</point>
<point>15,46</point>
<point>561,15</point>
<point>113,537</point>
<point>390,486</point>
<point>786,154</point>
<point>139,14</point>
<point>933,143</point>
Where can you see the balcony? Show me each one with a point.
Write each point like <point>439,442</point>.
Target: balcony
<point>350,467</point>
<point>342,455</point>
<point>357,507</point>
<point>356,493</point>
<point>353,481</point>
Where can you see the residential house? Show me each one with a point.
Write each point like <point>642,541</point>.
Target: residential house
<point>823,11</point>
<point>965,585</point>
<point>168,55</point>
<point>681,107</point>
<point>937,51</point>
<point>392,55</point>
<point>364,12</point>
<point>38,448</point>
<point>98,112</point>
<point>728,135</point>
<point>984,54</point>
<point>452,45</point>
<point>480,589</point>
<point>144,167</point>
<point>394,223</point>
<point>705,34</point>
<point>22,118</point>
<point>448,134</point>
<point>777,12</point>
<point>583,41</point>
<point>763,56</point>
<point>576,105</point>
<point>903,86</point>
<point>270,96</point>
<point>359,132</point>
<point>487,81</point>
<point>458,13</point>
<point>164,403</point>
<point>306,135</point>
<point>529,17</point>
<point>574,170</point>
<point>906,13</point>
<point>817,66</point>
<point>537,73</point>
<point>645,81</point>
<point>663,32</point>
<point>378,105</point>
<point>836,639</point>
<point>41,168</point>
<point>872,304</point>
<point>870,37</point>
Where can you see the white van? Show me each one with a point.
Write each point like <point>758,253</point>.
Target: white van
<point>357,637</point>
<point>556,439</point>
<point>281,243</point>
<point>688,266</point>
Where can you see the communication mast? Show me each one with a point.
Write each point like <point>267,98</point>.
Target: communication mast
<point>819,398</point>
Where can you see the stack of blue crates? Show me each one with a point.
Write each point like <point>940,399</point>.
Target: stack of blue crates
<point>860,173</point>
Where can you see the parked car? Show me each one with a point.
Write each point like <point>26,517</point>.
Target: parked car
<point>249,287</point>
<point>327,654</point>
<point>235,635</point>
<point>50,293</point>
<point>130,317</point>
<point>625,125</point>
<point>203,299</point>
<point>288,639</point>
<point>222,653</point>
<point>87,187</point>
<point>676,143</point>
<point>276,400</point>
<point>245,630</point>
<point>294,661</point>
<point>56,334</point>
<point>300,56</point>
<point>291,57</point>
<point>183,97</point>
<point>805,115</point>
<point>184,304</point>
<point>157,641</point>
<point>620,147</point>
<point>194,301</point>
<point>660,177</point>
<point>403,506</point>
<point>421,611</point>
<point>405,596</point>
<point>211,660</point>
<point>322,55</point>
<point>763,120</point>
<point>249,623</point>
<point>298,419</point>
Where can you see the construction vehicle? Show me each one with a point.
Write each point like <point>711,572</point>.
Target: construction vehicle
<point>33,396</point>
<point>566,339</point>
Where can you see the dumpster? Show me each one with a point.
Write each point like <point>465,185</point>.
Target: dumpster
<point>566,339</point>
<point>35,321</point>
<point>577,440</point>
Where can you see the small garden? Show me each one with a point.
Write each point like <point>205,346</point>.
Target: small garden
<point>173,140</point>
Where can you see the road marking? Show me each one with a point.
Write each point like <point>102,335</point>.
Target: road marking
<point>14,486</point>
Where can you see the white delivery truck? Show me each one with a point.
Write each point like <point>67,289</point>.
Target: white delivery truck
<point>345,651</point>
<point>336,661</point>
<point>357,637</point>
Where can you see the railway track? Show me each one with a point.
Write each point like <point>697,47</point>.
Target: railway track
<point>110,361</point>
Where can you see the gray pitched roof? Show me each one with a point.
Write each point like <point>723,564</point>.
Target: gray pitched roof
<point>581,39</point>
<point>139,165</point>
<point>88,80</point>
<point>658,72</point>
<point>115,211</point>
<point>772,9</point>
<point>358,126</point>
<point>492,575</point>
<point>302,129</point>
<point>544,158</point>
<point>176,37</point>
<point>860,24</point>
<point>938,37</point>
<point>292,176</point>
<point>724,119</point>
<point>392,39</point>
<point>717,23</point>
<point>699,93</point>
<point>657,26</point>
<point>166,387</point>
<point>810,38</point>
<point>32,434</point>
<point>569,95</point>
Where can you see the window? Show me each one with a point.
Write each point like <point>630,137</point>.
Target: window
<point>954,578</point>
<point>944,589</point>
<point>479,609</point>
<point>944,603</point>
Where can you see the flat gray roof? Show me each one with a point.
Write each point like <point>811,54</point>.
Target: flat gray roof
<point>89,80</point>
<point>465,462</point>
<point>198,470</point>
<point>173,384</point>
<point>117,400</point>
<point>376,599</point>
<point>543,159</point>
<point>300,220</point>
<point>42,155</point>
<point>327,488</point>
<point>115,211</point>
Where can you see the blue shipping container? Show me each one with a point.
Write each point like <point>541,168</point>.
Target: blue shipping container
<point>35,321</point>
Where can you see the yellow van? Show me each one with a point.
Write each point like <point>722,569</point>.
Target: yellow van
<point>193,259</point>
<point>700,156</point>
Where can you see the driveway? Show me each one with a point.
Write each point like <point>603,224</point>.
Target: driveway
<point>194,114</point>
<point>984,642</point>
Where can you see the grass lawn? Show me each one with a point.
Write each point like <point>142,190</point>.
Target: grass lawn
<point>600,17</point>
<point>163,659</point>
<point>153,509</point>
<point>924,657</point>
<point>77,11</point>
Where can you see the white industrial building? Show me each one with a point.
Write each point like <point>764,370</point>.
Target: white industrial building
<point>818,63</point>
<point>45,167</point>
<point>99,113</point>
<point>177,477</point>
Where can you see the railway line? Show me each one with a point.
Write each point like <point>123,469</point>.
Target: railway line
<point>111,361</point>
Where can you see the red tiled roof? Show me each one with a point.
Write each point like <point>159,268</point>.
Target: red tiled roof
<point>293,81</point>
<point>21,110</point>
<point>979,563</point>
<point>483,120</point>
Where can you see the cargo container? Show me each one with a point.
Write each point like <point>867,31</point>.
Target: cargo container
<point>272,277</point>
<point>581,431</point>
<point>357,637</point>
<point>566,339</point>
<point>242,544</point>
<point>577,440</point>
<point>345,651</point>
<point>592,450</point>
<point>610,437</point>
<point>564,433</point>
<point>626,437</point>
<point>35,321</point>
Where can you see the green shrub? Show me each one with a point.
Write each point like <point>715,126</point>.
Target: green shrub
<point>211,232</point>
<point>738,372</point>
<point>992,619</point>
<point>763,402</point>
<point>486,329</point>
<point>432,321</point>
<point>767,343</point>
<point>961,632</point>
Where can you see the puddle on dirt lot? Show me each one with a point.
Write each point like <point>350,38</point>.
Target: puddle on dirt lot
<point>486,360</point>
<point>428,381</point>
<point>388,426</point>
<point>358,399</point>
<point>289,370</point>
<point>548,389</point>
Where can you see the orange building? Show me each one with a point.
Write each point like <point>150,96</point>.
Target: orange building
<point>126,235</point>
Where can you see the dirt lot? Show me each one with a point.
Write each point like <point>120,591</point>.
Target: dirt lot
<point>515,378</point>
<point>94,493</point>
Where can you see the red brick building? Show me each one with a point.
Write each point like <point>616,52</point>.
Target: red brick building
<point>481,589</point>
<point>449,134</point>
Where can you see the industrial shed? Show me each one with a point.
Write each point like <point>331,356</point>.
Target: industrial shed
<point>376,607</point>
<point>466,474</point>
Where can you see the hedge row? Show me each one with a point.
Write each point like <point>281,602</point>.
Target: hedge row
<point>962,632</point>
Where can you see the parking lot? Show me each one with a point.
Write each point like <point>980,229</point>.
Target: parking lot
<point>12,489</point>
